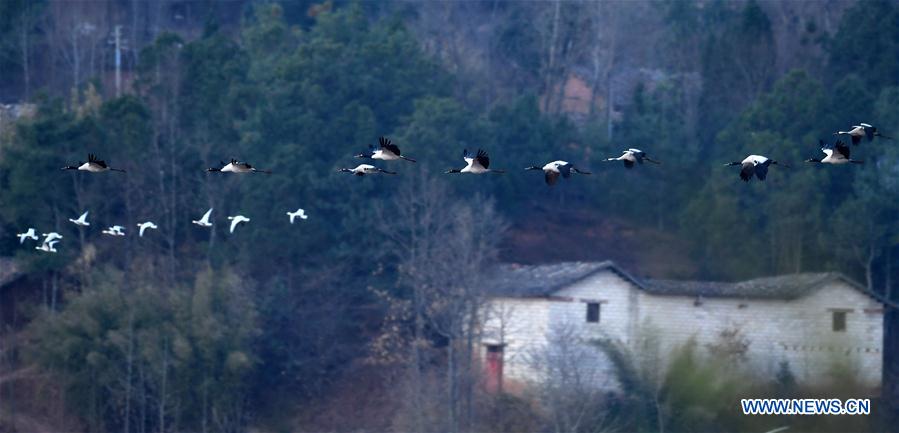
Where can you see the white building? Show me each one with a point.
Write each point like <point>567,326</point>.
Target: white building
<point>811,321</point>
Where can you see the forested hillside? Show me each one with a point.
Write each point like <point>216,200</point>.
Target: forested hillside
<point>285,327</point>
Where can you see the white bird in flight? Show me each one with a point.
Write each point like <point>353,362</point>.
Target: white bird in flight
<point>47,247</point>
<point>50,237</point>
<point>385,151</point>
<point>632,156</point>
<point>235,220</point>
<point>114,231</point>
<point>755,165</point>
<point>204,222</point>
<point>478,163</point>
<point>363,169</point>
<point>93,165</point>
<point>236,166</point>
<point>554,169</point>
<point>30,234</point>
<point>146,225</point>
<point>82,220</point>
<point>299,213</point>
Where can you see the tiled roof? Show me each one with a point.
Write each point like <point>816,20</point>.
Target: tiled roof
<point>781,287</point>
<point>516,280</point>
<point>512,280</point>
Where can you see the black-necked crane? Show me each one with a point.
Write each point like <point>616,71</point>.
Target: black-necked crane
<point>299,213</point>
<point>30,234</point>
<point>237,219</point>
<point>478,163</point>
<point>860,131</point>
<point>82,220</point>
<point>363,169</point>
<point>236,166</point>
<point>146,225</point>
<point>632,156</point>
<point>754,164</point>
<point>837,153</point>
<point>204,222</point>
<point>385,151</point>
<point>92,165</point>
<point>553,170</point>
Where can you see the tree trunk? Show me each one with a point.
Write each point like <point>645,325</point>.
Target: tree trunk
<point>550,69</point>
<point>451,384</point>
<point>890,389</point>
<point>888,273</point>
<point>129,369</point>
<point>469,366</point>
<point>205,404</point>
<point>54,287</point>
<point>162,392</point>
<point>26,53</point>
<point>869,268</point>
<point>417,337</point>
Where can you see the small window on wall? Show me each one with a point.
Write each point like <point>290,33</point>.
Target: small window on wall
<point>839,321</point>
<point>593,312</point>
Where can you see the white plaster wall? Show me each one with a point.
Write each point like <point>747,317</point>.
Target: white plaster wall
<point>538,331</point>
<point>798,331</point>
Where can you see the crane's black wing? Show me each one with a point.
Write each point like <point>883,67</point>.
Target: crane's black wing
<point>551,177</point>
<point>841,148</point>
<point>389,146</point>
<point>747,170</point>
<point>93,159</point>
<point>761,170</point>
<point>482,158</point>
<point>869,132</point>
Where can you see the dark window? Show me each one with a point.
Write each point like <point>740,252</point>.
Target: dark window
<point>839,321</point>
<point>494,348</point>
<point>593,312</point>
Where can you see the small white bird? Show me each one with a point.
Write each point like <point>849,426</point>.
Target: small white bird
<point>363,169</point>
<point>50,237</point>
<point>204,222</point>
<point>114,231</point>
<point>31,234</point>
<point>82,220</point>
<point>299,213</point>
<point>146,225</point>
<point>235,220</point>
<point>47,247</point>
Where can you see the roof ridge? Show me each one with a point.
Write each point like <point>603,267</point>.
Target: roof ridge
<point>546,278</point>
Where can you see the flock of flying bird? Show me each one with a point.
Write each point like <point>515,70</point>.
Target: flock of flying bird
<point>752,165</point>
<point>95,165</point>
<point>476,163</point>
